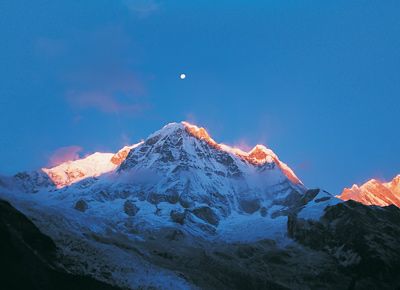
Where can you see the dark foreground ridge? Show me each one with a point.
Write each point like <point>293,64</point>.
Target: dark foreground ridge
<point>364,240</point>
<point>28,257</point>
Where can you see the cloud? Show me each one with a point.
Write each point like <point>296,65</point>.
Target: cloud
<point>243,145</point>
<point>106,103</point>
<point>97,69</point>
<point>64,154</point>
<point>118,92</point>
<point>142,8</point>
<point>125,140</point>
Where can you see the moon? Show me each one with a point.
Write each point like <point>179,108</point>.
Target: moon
<point>182,76</point>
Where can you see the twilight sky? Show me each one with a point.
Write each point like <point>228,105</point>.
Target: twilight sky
<point>316,81</point>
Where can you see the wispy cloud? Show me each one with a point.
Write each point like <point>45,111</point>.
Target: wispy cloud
<point>107,103</point>
<point>118,92</point>
<point>97,69</point>
<point>63,154</point>
<point>243,145</point>
<point>142,8</point>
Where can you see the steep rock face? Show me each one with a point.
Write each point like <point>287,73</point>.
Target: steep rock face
<point>29,260</point>
<point>121,155</point>
<point>130,208</point>
<point>374,192</point>
<point>365,241</point>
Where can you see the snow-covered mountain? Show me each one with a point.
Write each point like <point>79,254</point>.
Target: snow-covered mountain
<point>375,192</point>
<point>93,165</point>
<point>179,174</point>
<point>182,211</point>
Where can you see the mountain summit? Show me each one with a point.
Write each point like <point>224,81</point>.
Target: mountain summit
<point>374,192</point>
<point>192,140</point>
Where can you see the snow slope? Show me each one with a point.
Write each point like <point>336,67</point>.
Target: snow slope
<point>93,165</point>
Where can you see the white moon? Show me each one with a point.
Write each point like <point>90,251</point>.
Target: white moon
<point>182,76</point>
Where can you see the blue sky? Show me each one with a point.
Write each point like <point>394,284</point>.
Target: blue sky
<point>316,81</point>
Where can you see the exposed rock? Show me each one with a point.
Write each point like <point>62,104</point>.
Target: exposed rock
<point>365,240</point>
<point>322,199</point>
<point>121,155</point>
<point>157,211</point>
<point>185,200</point>
<point>309,195</point>
<point>206,214</point>
<point>172,195</point>
<point>32,181</point>
<point>152,140</point>
<point>175,235</point>
<point>29,260</point>
<point>263,211</point>
<point>156,198</point>
<point>130,208</point>
<point>81,205</point>
<point>249,205</point>
<point>178,216</point>
<point>293,198</point>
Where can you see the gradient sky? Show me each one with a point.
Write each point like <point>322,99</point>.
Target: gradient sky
<point>316,81</point>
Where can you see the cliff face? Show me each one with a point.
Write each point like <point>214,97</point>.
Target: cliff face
<point>28,258</point>
<point>365,241</point>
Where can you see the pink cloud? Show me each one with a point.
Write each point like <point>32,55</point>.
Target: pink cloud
<point>64,154</point>
<point>243,145</point>
<point>107,91</point>
<point>103,101</point>
<point>100,73</point>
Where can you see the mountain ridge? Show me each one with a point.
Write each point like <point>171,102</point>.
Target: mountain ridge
<point>98,163</point>
<point>180,211</point>
<point>375,192</point>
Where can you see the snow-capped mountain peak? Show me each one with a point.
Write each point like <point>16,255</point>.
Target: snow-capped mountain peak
<point>187,140</point>
<point>93,165</point>
<point>394,185</point>
<point>374,192</point>
<point>179,183</point>
<point>176,141</point>
<point>73,171</point>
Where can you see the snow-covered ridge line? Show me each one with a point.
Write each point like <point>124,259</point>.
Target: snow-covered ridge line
<point>374,192</point>
<point>99,163</point>
<point>257,156</point>
<point>93,165</point>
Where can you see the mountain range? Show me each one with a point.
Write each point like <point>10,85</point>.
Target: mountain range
<point>180,211</point>
<point>375,192</point>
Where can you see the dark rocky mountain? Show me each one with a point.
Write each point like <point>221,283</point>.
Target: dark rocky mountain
<point>364,240</point>
<point>29,258</point>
